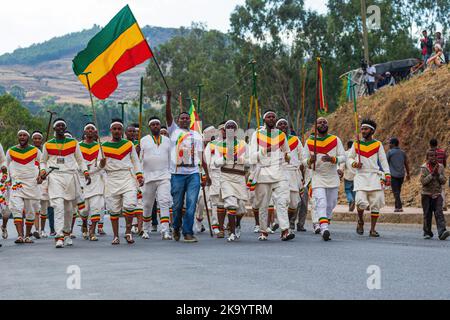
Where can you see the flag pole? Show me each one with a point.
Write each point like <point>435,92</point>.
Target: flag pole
<point>303,103</point>
<point>226,106</point>
<point>180,102</point>
<point>141,103</point>
<point>199,102</point>
<point>94,116</point>
<point>355,111</point>
<point>316,113</point>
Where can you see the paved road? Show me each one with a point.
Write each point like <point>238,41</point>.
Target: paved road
<point>307,268</point>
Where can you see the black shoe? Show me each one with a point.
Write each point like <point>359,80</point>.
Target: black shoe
<point>300,229</point>
<point>275,227</point>
<point>326,235</point>
<point>36,235</point>
<point>176,235</point>
<point>444,236</point>
<point>287,236</point>
<point>352,206</point>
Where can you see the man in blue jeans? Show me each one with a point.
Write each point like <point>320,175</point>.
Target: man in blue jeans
<point>186,158</point>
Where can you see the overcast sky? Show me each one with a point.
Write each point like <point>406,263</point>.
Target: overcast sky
<point>24,22</point>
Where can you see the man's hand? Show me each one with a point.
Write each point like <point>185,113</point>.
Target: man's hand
<point>39,180</point>
<point>87,176</point>
<point>140,181</point>
<point>436,170</point>
<point>287,158</point>
<point>312,159</point>
<point>340,173</point>
<point>43,175</point>
<point>388,181</point>
<point>357,165</point>
<point>327,158</point>
<point>103,163</point>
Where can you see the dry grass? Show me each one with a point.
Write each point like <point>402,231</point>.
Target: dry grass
<point>414,111</point>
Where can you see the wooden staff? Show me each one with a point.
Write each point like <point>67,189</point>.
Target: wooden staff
<point>141,104</point>
<point>316,114</point>
<point>355,111</point>
<point>94,116</point>
<point>303,103</point>
<point>49,127</point>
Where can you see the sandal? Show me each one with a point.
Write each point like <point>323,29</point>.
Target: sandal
<point>129,239</point>
<point>28,240</point>
<point>360,228</point>
<point>93,238</point>
<point>374,234</point>
<point>19,240</point>
<point>116,241</point>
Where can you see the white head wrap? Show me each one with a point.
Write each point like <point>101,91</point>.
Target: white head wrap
<point>59,122</point>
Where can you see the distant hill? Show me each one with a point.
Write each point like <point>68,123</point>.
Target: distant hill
<point>69,44</point>
<point>45,70</point>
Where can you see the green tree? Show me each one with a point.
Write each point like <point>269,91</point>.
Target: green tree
<point>18,92</point>
<point>13,117</point>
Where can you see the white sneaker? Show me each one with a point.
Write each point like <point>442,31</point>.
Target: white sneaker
<point>145,235</point>
<point>59,244</point>
<point>68,241</point>
<point>134,230</point>
<point>262,237</point>
<point>166,236</point>
<point>238,232</point>
<point>257,229</point>
<point>269,230</point>
<point>232,238</point>
<point>44,234</point>
<point>316,229</point>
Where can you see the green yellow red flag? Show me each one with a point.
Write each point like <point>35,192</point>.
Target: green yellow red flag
<point>118,47</point>
<point>195,119</point>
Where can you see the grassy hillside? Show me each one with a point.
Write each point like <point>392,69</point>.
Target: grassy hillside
<point>68,45</point>
<point>414,111</point>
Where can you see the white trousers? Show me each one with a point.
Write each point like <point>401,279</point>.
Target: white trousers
<point>93,209</point>
<point>63,216</point>
<point>18,206</point>
<point>125,202</point>
<point>372,199</point>
<point>279,192</point>
<point>325,201</point>
<point>159,191</point>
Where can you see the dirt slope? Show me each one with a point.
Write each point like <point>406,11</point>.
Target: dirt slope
<point>415,111</point>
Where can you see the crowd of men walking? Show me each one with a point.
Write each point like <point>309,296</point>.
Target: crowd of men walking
<point>165,171</point>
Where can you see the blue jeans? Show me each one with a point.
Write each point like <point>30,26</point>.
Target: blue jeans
<point>185,185</point>
<point>351,195</point>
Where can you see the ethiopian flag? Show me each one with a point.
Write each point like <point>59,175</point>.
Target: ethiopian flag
<point>118,47</point>
<point>195,119</point>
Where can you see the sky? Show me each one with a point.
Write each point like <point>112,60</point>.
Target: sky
<point>24,22</point>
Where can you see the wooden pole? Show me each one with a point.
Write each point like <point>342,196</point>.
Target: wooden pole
<point>141,106</point>
<point>316,113</point>
<point>365,31</point>
<point>94,116</point>
<point>305,73</point>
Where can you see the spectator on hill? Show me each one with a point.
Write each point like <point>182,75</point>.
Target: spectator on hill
<point>370,78</point>
<point>438,59</point>
<point>426,44</point>
<point>349,177</point>
<point>432,179</point>
<point>441,156</point>
<point>439,40</point>
<point>387,80</point>
<point>399,167</point>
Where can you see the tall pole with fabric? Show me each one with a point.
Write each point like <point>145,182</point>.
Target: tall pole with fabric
<point>304,103</point>
<point>226,106</point>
